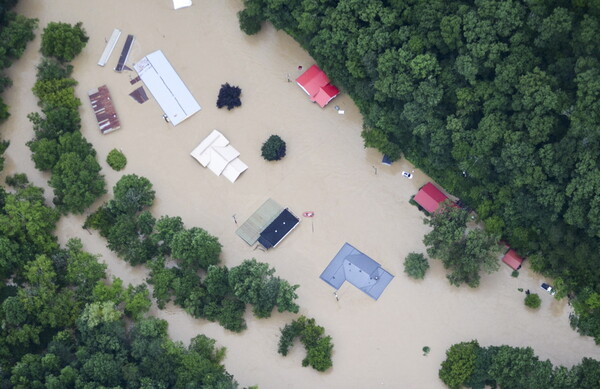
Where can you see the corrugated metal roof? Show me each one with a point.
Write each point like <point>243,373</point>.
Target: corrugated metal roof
<point>264,215</point>
<point>168,90</point>
<point>430,197</point>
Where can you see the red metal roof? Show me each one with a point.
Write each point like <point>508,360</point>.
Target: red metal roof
<point>512,259</point>
<point>430,197</point>
<point>316,84</point>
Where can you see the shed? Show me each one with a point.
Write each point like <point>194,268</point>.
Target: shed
<point>316,84</point>
<point>512,259</point>
<point>430,197</point>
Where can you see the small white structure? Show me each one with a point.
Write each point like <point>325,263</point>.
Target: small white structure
<point>110,46</point>
<point>219,156</point>
<point>181,3</point>
<point>170,92</point>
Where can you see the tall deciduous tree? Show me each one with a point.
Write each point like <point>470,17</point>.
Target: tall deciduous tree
<point>63,41</point>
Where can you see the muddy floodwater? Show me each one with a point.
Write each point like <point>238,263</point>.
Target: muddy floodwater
<point>327,170</point>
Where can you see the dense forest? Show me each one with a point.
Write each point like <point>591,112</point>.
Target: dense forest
<point>497,100</point>
<point>470,365</point>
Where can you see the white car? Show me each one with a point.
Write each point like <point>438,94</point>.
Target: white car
<point>407,175</point>
<point>548,288</point>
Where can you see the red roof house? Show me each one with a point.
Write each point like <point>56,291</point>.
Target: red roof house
<point>430,197</point>
<point>512,259</point>
<point>316,84</point>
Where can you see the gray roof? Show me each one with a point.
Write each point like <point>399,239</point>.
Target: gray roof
<point>361,271</point>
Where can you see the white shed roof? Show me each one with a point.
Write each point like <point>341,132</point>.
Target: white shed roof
<point>167,88</point>
<point>181,3</point>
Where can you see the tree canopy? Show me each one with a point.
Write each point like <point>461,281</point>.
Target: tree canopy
<point>63,41</point>
<point>469,365</point>
<point>464,251</point>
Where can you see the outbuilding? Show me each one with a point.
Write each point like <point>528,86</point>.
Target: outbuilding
<point>512,259</point>
<point>430,197</point>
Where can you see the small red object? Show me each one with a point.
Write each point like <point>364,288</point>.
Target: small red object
<point>308,214</point>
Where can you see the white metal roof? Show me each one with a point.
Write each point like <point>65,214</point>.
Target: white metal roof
<point>110,46</point>
<point>181,3</point>
<point>219,156</point>
<point>170,92</point>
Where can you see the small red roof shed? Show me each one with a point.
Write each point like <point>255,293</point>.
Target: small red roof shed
<point>316,84</point>
<point>430,197</point>
<point>512,259</point>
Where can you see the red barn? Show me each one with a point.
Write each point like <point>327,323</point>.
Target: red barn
<point>430,197</point>
<point>316,84</point>
<point>512,259</point>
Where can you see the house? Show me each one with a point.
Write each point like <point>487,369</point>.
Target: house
<point>512,259</point>
<point>219,156</point>
<point>351,265</point>
<point>278,229</point>
<point>430,197</point>
<point>316,84</point>
<point>269,225</point>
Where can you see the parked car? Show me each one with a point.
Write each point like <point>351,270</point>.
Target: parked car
<point>407,175</point>
<point>548,288</point>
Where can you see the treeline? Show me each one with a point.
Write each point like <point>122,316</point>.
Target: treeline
<point>63,326</point>
<point>15,32</point>
<point>183,262</point>
<point>496,100</point>
<point>58,145</point>
<point>467,364</point>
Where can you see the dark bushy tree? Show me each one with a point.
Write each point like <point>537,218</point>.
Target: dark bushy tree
<point>229,96</point>
<point>274,148</point>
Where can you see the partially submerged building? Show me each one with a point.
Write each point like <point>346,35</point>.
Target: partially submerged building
<point>316,84</point>
<point>512,259</point>
<point>103,107</point>
<point>351,265</point>
<point>269,225</point>
<point>168,90</point>
<point>430,197</point>
<point>219,156</point>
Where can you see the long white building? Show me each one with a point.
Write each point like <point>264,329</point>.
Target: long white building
<point>164,83</point>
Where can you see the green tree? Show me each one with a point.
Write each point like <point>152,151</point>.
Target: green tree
<point>532,300</point>
<point>318,347</point>
<point>83,269</point>
<point>195,248</point>
<point>132,194</point>
<point>514,367</point>
<point>464,253</point>
<point>416,265</point>
<point>63,41</point>
<point>76,182</point>
<point>459,364</point>
<point>116,159</point>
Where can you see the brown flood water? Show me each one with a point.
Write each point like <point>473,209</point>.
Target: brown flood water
<point>327,170</point>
